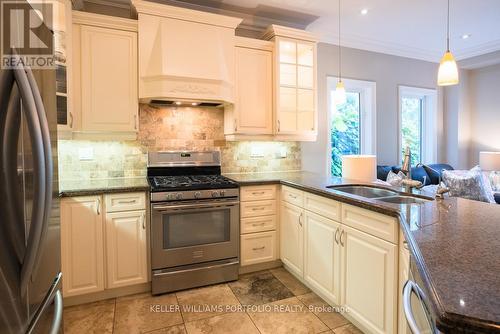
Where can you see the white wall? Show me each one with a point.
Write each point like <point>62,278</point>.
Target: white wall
<point>388,72</point>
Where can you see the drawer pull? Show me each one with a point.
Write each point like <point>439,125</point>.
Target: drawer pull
<point>126,201</point>
<point>259,224</point>
<point>259,208</point>
<point>292,196</point>
<point>258,193</point>
<point>258,248</point>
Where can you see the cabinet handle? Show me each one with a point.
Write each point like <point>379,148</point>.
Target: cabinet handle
<point>71,120</point>
<point>135,122</point>
<point>340,239</point>
<point>279,126</point>
<point>336,235</point>
<point>258,248</point>
<point>258,224</point>
<point>292,196</point>
<point>126,201</point>
<point>405,245</point>
<point>258,193</point>
<point>143,219</point>
<point>98,208</point>
<point>235,125</point>
<point>300,219</point>
<point>258,208</point>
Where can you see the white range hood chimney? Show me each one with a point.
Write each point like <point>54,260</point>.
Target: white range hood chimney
<point>185,55</point>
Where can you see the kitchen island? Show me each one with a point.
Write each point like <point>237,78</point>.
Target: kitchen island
<point>454,242</point>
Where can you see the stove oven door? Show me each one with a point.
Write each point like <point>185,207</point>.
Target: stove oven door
<point>190,233</point>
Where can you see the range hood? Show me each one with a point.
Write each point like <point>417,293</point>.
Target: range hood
<point>185,56</point>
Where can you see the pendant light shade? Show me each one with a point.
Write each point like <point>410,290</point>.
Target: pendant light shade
<point>340,96</point>
<point>448,69</point>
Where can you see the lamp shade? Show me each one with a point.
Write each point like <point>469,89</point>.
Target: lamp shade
<point>359,167</point>
<point>489,161</point>
<point>340,94</point>
<point>448,71</point>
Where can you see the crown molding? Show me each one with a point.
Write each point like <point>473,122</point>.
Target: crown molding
<point>174,12</point>
<point>99,20</point>
<point>275,30</point>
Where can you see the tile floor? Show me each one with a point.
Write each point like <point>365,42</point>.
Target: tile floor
<point>270,301</point>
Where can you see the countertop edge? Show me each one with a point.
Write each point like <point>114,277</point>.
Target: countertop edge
<point>100,191</point>
<point>444,320</point>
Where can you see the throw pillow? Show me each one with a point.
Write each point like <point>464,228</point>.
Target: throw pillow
<point>395,179</point>
<point>469,184</point>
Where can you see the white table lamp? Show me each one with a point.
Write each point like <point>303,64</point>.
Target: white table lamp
<point>490,161</point>
<point>359,167</point>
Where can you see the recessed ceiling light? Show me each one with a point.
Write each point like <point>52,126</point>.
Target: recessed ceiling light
<point>194,103</point>
<point>465,36</point>
<point>364,11</point>
<point>178,103</point>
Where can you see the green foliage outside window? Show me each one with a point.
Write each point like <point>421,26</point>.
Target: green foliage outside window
<point>345,131</point>
<point>411,134</point>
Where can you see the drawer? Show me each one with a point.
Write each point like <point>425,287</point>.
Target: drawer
<point>257,193</point>
<point>258,224</point>
<point>257,208</point>
<point>258,248</point>
<point>125,202</point>
<point>374,223</point>
<point>293,196</point>
<point>322,206</point>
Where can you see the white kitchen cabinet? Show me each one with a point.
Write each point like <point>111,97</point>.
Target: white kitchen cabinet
<point>369,280</point>
<point>292,237</point>
<point>105,78</point>
<point>322,256</point>
<point>82,247</point>
<point>126,256</point>
<point>404,275</point>
<point>258,248</point>
<point>294,83</point>
<point>252,113</point>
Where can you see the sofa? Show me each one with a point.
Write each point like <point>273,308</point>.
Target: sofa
<point>423,174</point>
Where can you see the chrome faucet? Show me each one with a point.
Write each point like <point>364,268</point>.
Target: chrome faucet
<point>408,182</point>
<point>441,189</point>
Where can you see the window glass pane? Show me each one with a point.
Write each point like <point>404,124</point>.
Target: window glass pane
<point>345,130</point>
<point>411,127</point>
<point>288,75</point>
<point>288,52</point>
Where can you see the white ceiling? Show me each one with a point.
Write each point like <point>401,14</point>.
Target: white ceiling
<point>410,28</point>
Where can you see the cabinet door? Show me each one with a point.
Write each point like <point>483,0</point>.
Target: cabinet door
<point>404,275</point>
<point>369,280</point>
<point>126,248</point>
<point>254,102</point>
<point>82,247</point>
<point>292,242</point>
<point>322,256</point>
<point>108,67</point>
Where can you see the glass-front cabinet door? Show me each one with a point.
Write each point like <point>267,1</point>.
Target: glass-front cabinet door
<point>296,86</point>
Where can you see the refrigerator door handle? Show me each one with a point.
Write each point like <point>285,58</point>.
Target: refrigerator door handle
<point>35,230</point>
<point>58,313</point>
<point>49,168</point>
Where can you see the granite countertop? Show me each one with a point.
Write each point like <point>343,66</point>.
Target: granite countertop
<point>101,186</point>
<point>455,243</point>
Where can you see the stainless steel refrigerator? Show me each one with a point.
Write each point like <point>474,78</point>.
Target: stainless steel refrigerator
<point>30,265</point>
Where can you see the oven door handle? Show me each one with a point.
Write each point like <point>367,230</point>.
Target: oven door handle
<point>193,206</point>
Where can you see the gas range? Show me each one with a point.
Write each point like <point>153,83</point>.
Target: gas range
<point>176,176</point>
<point>195,221</point>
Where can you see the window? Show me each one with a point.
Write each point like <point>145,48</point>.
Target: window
<point>417,110</point>
<point>352,125</point>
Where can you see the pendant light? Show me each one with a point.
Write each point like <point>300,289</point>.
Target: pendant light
<point>448,71</point>
<point>340,96</point>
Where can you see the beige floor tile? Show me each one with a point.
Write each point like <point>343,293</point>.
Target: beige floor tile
<point>233,323</point>
<point>290,281</point>
<point>291,317</point>
<point>143,313</point>
<point>177,329</point>
<point>90,318</point>
<point>324,311</point>
<point>348,329</point>
<point>206,302</point>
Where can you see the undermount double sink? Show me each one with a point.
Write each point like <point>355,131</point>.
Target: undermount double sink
<point>381,194</point>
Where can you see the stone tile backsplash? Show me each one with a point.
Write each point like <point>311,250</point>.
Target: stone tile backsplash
<point>171,128</point>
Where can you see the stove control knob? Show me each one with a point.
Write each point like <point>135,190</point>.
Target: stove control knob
<point>170,196</point>
<point>222,193</point>
<point>215,194</point>
<point>178,196</point>
<point>197,194</point>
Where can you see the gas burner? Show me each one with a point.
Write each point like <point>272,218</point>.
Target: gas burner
<point>188,182</point>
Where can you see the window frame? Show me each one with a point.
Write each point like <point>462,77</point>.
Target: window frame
<point>368,114</point>
<point>428,121</point>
